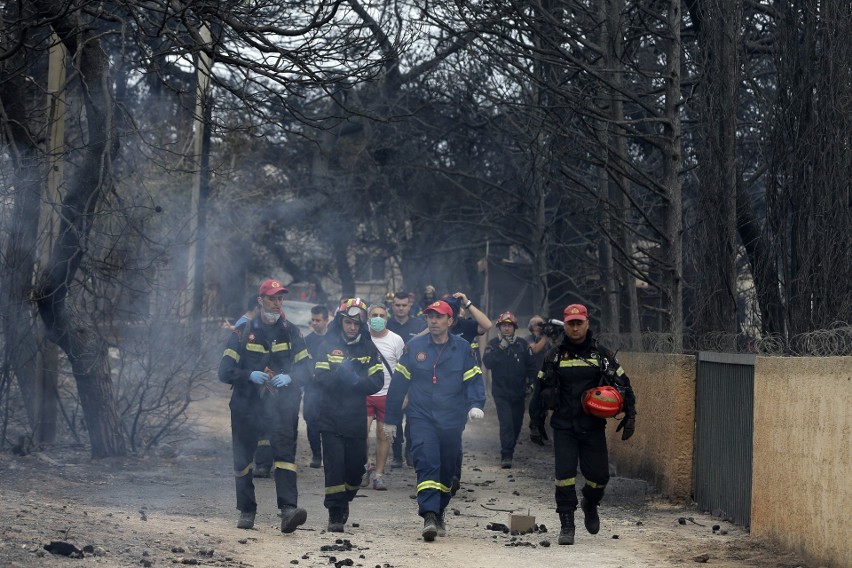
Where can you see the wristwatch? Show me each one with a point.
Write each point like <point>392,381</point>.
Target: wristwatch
<point>468,304</point>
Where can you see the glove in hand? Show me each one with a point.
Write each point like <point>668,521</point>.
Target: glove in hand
<point>628,425</point>
<point>346,372</point>
<point>535,436</point>
<point>390,431</point>
<point>475,414</point>
<point>258,377</point>
<point>281,380</point>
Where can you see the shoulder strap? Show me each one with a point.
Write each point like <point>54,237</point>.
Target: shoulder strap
<point>382,359</point>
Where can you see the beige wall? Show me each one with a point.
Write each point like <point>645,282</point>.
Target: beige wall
<point>802,470</point>
<point>660,451</point>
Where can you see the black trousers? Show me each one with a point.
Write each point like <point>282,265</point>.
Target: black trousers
<point>510,416</point>
<point>402,435</point>
<point>343,465</point>
<point>590,451</point>
<point>310,412</point>
<point>277,417</point>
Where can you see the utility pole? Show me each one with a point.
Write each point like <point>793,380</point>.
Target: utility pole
<point>200,189</point>
<point>47,361</point>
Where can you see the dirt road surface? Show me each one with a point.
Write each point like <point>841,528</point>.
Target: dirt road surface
<point>177,508</point>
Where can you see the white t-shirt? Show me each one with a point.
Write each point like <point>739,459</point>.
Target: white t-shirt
<point>390,346</point>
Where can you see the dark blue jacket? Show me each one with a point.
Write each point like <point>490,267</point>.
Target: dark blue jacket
<point>343,406</point>
<point>256,346</point>
<point>443,382</point>
<point>512,368</point>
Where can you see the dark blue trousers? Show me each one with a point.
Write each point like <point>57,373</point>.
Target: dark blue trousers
<point>436,454</point>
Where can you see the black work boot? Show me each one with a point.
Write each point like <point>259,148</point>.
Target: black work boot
<point>590,516</point>
<point>246,520</point>
<point>336,522</point>
<point>430,526</point>
<point>566,533</point>
<point>441,523</point>
<point>292,517</point>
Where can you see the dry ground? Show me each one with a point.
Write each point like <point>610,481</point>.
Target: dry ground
<point>179,509</point>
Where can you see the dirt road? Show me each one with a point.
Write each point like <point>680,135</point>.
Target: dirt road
<point>178,508</point>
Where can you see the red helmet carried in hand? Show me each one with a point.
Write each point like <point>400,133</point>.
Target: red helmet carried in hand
<point>603,402</point>
<point>507,317</point>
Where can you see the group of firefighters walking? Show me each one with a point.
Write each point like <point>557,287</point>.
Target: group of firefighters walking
<point>430,373</point>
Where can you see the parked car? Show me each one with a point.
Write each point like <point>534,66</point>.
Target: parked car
<point>298,313</point>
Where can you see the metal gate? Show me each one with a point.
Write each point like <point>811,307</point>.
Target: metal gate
<point>724,411</point>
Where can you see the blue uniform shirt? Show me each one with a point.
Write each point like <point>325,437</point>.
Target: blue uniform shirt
<point>443,382</point>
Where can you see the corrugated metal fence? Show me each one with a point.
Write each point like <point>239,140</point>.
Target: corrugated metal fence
<point>724,409</point>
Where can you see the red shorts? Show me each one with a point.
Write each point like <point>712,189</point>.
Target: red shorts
<point>376,407</point>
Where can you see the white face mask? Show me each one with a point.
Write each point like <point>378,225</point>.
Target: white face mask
<point>269,317</point>
<point>377,324</point>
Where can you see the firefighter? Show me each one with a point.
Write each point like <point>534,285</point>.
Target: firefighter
<point>513,369</point>
<point>266,362</point>
<point>348,369</point>
<point>440,374</point>
<point>574,367</point>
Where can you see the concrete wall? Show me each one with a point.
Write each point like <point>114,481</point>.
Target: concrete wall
<point>801,485</point>
<point>660,451</point>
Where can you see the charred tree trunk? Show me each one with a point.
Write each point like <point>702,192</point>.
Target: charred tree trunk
<point>672,261</point>
<point>719,33</point>
<point>86,352</point>
<point>20,340</point>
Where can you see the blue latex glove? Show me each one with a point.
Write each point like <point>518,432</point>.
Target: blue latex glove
<point>281,380</point>
<point>258,377</point>
<point>346,372</point>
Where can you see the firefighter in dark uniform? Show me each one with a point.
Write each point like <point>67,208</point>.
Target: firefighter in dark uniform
<point>266,362</point>
<point>441,376</point>
<point>513,368</point>
<point>572,367</point>
<point>348,369</point>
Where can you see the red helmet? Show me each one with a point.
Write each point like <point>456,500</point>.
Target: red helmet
<point>353,308</point>
<point>507,317</point>
<point>603,402</point>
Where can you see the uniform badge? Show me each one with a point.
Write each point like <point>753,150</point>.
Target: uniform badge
<point>337,353</point>
<point>420,356</point>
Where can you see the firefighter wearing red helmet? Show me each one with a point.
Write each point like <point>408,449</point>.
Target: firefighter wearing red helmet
<point>512,367</point>
<point>347,370</point>
<point>582,383</point>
